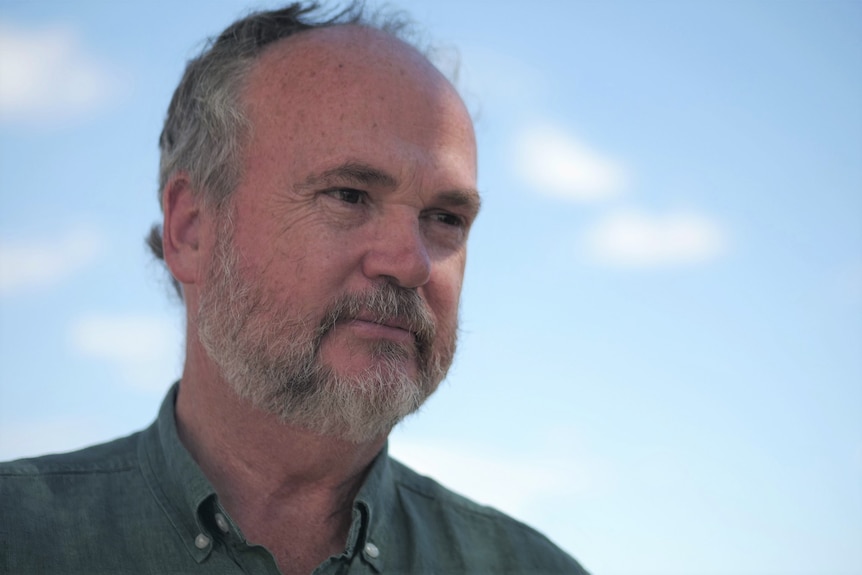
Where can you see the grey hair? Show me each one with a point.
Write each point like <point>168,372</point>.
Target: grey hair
<point>206,125</point>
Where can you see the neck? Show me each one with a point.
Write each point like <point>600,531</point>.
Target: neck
<point>268,474</point>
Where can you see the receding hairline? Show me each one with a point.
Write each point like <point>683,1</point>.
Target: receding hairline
<point>331,42</point>
<point>341,33</point>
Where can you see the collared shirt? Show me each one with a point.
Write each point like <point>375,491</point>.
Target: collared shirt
<point>141,504</point>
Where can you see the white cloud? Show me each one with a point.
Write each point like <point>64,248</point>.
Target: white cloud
<point>557,164</point>
<point>635,239</point>
<point>37,264</point>
<point>46,74</point>
<point>28,439</point>
<point>517,485</point>
<point>146,349</point>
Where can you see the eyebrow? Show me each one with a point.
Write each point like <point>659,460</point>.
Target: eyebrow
<point>468,199</point>
<point>366,175</point>
<point>354,172</point>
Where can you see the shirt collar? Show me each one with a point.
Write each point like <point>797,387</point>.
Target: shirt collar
<point>175,479</point>
<point>188,498</point>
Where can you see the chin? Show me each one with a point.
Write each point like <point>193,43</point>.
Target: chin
<point>380,357</point>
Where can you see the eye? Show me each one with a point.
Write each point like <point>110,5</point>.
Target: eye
<point>449,219</point>
<point>348,195</point>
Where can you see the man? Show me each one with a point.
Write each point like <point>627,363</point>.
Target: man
<point>318,187</point>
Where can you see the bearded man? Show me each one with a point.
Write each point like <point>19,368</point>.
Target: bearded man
<point>318,184</point>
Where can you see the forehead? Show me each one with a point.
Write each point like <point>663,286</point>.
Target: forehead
<point>353,82</point>
<point>348,55</point>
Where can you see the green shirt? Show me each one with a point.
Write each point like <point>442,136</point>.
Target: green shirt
<point>142,505</point>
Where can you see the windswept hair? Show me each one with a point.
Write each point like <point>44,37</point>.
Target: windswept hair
<point>206,124</point>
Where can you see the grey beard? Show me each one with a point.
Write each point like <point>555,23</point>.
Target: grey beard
<point>271,358</point>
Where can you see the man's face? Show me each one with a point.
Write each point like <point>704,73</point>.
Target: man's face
<point>332,295</point>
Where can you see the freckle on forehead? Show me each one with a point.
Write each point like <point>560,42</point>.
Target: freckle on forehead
<point>345,73</point>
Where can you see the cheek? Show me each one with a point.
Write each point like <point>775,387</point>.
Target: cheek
<point>444,290</point>
<point>296,256</point>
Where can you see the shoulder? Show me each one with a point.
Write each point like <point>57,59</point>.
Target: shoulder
<point>82,499</point>
<point>113,457</point>
<point>55,492</point>
<point>56,486</point>
<point>502,543</point>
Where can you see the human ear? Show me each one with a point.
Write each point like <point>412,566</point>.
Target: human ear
<point>181,239</point>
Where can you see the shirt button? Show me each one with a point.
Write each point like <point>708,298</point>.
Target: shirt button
<point>372,551</point>
<point>222,523</point>
<point>202,541</point>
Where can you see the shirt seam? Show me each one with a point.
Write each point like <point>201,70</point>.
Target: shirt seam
<point>72,471</point>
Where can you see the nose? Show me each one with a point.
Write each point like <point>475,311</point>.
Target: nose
<point>398,253</point>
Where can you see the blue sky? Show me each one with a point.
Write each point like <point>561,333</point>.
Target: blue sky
<point>661,357</point>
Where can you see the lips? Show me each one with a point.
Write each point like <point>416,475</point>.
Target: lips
<point>393,322</point>
<point>386,312</point>
<point>391,330</point>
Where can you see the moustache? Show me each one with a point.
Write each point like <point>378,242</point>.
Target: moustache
<point>384,304</point>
